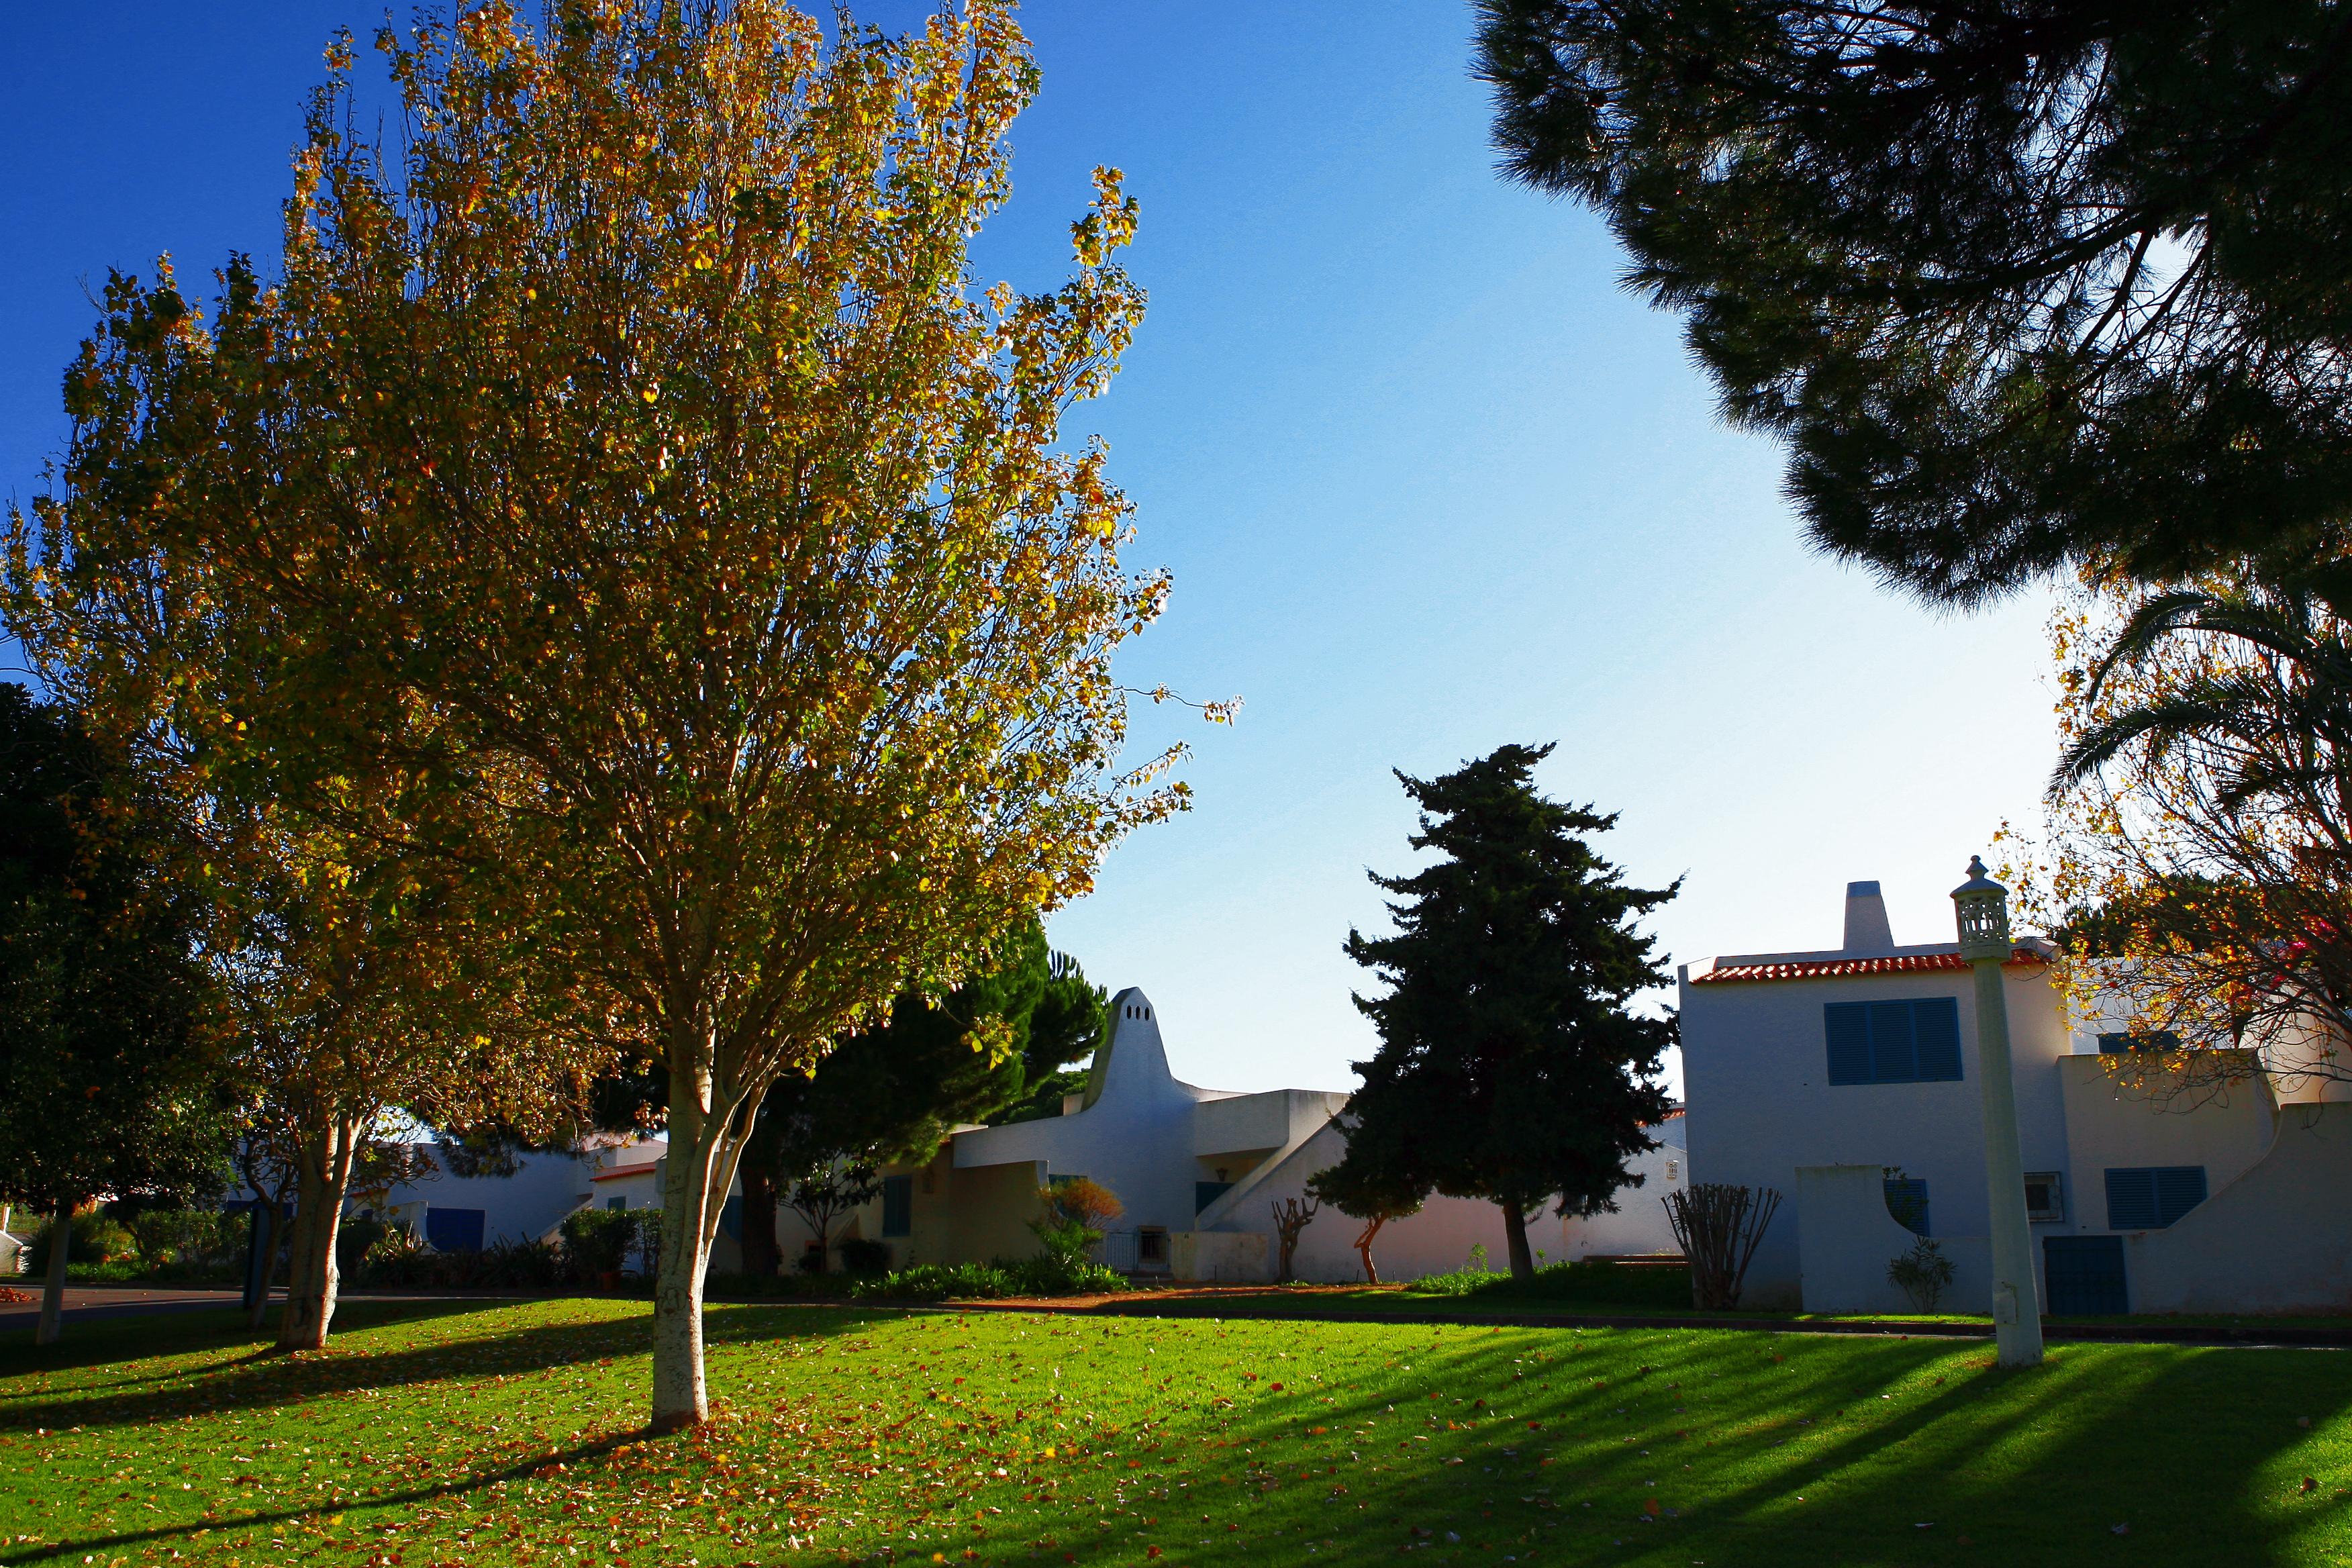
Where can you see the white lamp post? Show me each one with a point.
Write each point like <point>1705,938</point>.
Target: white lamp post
<point>1983,905</point>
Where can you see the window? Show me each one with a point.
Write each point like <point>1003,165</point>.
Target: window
<point>2150,1197</point>
<point>2045,1196</point>
<point>1916,1041</point>
<point>1673,1170</point>
<point>1151,1245</point>
<point>453,1230</point>
<point>1906,1200</point>
<point>2118,1044</point>
<point>897,1205</point>
<point>620,1203</point>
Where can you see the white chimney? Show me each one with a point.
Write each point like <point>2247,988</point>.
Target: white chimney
<point>1866,930</point>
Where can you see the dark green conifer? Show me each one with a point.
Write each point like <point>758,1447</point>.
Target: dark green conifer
<point>2022,283</point>
<point>1510,1066</point>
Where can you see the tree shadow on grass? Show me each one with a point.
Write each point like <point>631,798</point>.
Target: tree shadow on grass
<point>142,1339</point>
<point>545,1464</point>
<point>2184,1447</point>
<point>268,1381</point>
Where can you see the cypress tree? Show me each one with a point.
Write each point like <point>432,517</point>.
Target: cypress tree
<point>1510,1068</point>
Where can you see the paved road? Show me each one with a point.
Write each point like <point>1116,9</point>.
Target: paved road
<point>87,1301</point>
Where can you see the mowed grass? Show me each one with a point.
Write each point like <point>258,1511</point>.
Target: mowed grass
<point>508,1433</point>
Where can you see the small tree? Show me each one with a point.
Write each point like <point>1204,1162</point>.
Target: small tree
<point>110,1039</point>
<point>1363,1188</point>
<point>1291,1218</point>
<point>824,1193</point>
<point>1075,1214</point>
<point>1510,1068</point>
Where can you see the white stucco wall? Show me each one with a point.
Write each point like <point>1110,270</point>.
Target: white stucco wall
<point>1640,1225</point>
<point>1134,1136</point>
<point>521,1208</point>
<point>1846,1238</point>
<point>2118,1116</point>
<point>2271,1241</point>
<point>1755,1070</point>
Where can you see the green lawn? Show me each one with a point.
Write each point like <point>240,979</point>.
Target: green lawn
<point>506,1433</point>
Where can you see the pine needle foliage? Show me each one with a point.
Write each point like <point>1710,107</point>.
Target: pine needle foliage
<point>2022,284</point>
<point>1511,1068</point>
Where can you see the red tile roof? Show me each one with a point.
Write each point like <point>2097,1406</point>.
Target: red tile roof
<point>1842,968</point>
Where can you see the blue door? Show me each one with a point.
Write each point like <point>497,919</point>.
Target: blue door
<point>453,1230</point>
<point>2085,1276</point>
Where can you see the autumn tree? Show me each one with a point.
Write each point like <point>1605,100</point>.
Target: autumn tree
<point>1370,1186</point>
<point>109,1040</point>
<point>1511,1068</point>
<point>2023,285</point>
<point>363,933</point>
<point>2196,875</point>
<point>628,455</point>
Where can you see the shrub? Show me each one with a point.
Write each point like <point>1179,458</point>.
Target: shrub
<point>188,1239</point>
<point>864,1255</point>
<point>1579,1284</point>
<point>649,1241</point>
<point>597,1241</point>
<point>1075,1212</point>
<point>1064,1274</point>
<point>770,1287</point>
<point>92,1239</point>
<point>936,1283</point>
<point>1924,1273</point>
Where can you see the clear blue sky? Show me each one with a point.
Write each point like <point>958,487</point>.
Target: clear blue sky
<point>1428,481</point>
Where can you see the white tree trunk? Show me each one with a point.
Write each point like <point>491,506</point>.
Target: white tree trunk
<point>312,1278</point>
<point>703,1148</point>
<point>53,1288</point>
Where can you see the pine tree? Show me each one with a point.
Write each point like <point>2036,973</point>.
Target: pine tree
<point>2021,282</point>
<point>1510,1068</point>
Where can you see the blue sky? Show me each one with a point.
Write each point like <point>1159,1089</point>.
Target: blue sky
<point>1428,481</point>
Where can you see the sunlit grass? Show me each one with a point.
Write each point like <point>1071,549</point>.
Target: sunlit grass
<point>509,1435</point>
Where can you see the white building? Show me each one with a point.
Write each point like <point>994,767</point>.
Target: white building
<point>1846,1081</point>
<point>1200,1172</point>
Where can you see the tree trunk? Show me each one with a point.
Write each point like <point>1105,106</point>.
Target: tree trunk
<point>1364,1248</point>
<point>1515,1232</point>
<point>703,1146</point>
<point>265,1220</point>
<point>312,1275</point>
<point>53,1288</point>
<point>761,1256</point>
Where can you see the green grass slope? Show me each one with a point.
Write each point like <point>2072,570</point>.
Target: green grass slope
<point>508,1433</point>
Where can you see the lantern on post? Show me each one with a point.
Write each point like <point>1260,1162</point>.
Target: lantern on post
<point>1981,906</point>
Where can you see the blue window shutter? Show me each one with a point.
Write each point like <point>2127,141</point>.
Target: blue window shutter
<point>1937,1022</point>
<point>1849,1032</point>
<point>2179,1189</point>
<point>731,1219</point>
<point>1894,1053</point>
<point>2150,1197</point>
<point>2131,1198</point>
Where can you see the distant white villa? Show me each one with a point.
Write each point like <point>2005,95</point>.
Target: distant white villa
<point>1200,1172</point>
